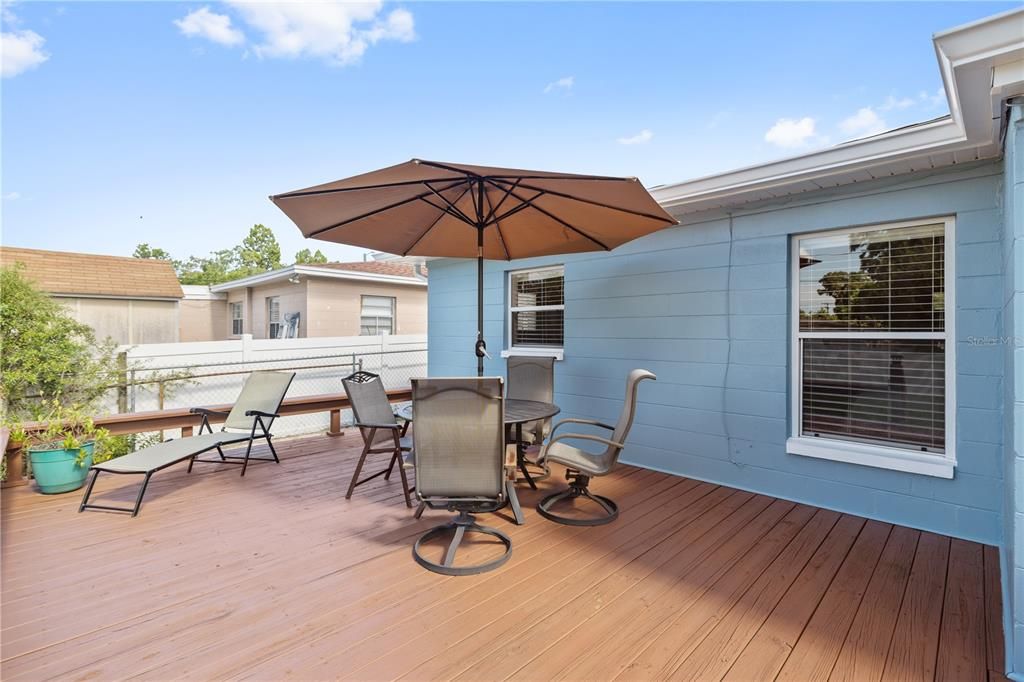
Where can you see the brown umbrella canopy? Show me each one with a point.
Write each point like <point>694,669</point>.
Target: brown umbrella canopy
<point>423,208</point>
<point>426,208</point>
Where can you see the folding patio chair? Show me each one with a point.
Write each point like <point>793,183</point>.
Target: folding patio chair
<point>256,408</point>
<point>379,427</point>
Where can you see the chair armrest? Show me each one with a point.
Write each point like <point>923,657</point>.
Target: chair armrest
<point>206,412</point>
<point>261,413</point>
<point>366,425</point>
<point>583,436</point>
<point>572,420</point>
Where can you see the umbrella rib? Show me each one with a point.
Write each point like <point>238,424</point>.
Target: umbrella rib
<point>501,237</point>
<point>559,220</point>
<point>494,209</point>
<point>611,207</point>
<point>320,231</point>
<point>433,224</point>
<point>386,185</point>
<point>512,211</point>
<point>462,216</point>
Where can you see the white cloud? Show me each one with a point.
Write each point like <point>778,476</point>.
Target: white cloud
<point>12,196</point>
<point>337,32</point>
<point>892,102</point>
<point>864,122</point>
<point>935,100</point>
<point>20,49</point>
<point>790,132</point>
<point>203,23</point>
<point>643,137</point>
<point>563,84</point>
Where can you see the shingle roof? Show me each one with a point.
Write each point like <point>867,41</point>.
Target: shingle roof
<point>375,267</point>
<point>86,274</point>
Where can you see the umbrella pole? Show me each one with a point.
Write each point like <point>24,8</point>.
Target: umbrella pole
<point>481,346</point>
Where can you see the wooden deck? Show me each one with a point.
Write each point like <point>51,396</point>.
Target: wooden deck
<point>277,576</point>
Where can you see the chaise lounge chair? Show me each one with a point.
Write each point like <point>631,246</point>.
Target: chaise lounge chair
<point>256,408</point>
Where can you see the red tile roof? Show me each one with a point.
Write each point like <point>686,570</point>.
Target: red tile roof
<point>375,267</point>
<point>86,274</point>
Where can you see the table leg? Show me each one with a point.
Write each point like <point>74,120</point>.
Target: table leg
<point>521,456</point>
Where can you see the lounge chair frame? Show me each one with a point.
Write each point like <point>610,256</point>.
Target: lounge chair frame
<point>241,437</point>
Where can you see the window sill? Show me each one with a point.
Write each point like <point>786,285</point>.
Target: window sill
<point>556,353</point>
<point>873,456</point>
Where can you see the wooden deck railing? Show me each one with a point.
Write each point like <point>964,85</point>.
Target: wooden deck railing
<point>181,418</point>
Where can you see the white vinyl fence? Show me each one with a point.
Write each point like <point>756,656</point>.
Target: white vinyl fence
<point>169,375</point>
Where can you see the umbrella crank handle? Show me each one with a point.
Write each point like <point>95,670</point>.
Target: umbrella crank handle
<point>481,349</point>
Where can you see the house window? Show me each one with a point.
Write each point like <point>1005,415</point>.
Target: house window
<point>236,319</point>
<point>274,326</point>
<point>536,308</point>
<point>873,367</point>
<point>377,316</point>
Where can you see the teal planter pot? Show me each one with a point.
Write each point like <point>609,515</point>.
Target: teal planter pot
<point>56,470</point>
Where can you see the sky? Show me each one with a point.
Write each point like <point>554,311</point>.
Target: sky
<point>171,123</point>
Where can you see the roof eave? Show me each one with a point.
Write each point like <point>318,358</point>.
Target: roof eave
<point>313,271</point>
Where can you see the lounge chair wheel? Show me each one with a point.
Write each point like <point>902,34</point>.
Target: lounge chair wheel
<point>577,489</point>
<point>464,523</point>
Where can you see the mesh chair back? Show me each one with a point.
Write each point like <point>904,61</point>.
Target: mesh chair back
<point>370,404</point>
<point>533,379</point>
<point>625,422</point>
<point>459,438</point>
<point>263,391</point>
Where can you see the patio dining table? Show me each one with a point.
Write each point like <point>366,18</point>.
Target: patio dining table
<point>517,413</point>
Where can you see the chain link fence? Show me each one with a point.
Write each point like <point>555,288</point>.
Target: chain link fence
<point>166,376</point>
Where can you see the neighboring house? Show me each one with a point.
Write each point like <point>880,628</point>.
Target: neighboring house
<point>331,299</point>
<point>203,314</point>
<point>126,299</point>
<point>840,328</point>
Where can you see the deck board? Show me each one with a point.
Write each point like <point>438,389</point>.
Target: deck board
<point>278,576</point>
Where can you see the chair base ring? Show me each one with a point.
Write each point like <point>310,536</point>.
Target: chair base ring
<point>463,524</point>
<point>610,509</point>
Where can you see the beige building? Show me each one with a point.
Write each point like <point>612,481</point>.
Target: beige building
<point>203,314</point>
<point>332,299</point>
<point>126,299</point>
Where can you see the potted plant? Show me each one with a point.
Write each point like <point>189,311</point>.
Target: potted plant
<point>60,454</point>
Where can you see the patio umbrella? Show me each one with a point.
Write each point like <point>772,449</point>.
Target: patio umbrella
<point>425,208</point>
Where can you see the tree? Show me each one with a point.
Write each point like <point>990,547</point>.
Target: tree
<point>221,266</point>
<point>145,251</point>
<point>47,355</point>
<point>305,257</point>
<point>260,251</point>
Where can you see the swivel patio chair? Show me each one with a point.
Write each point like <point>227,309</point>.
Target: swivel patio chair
<point>581,465</point>
<point>532,378</point>
<point>256,408</point>
<point>379,427</point>
<point>460,462</point>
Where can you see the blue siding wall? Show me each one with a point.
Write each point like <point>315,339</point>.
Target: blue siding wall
<point>1013,393</point>
<point>705,307</point>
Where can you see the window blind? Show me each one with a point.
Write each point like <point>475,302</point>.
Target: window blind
<point>872,337</point>
<point>377,315</point>
<point>537,307</point>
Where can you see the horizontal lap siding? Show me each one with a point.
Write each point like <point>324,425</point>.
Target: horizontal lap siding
<point>709,315</point>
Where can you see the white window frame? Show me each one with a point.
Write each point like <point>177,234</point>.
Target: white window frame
<point>394,314</point>
<point>941,465</point>
<point>240,318</point>
<point>532,351</point>
<point>280,318</point>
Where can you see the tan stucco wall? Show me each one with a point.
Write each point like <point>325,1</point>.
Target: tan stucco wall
<point>204,320</point>
<point>126,321</point>
<point>293,300</point>
<point>334,306</point>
